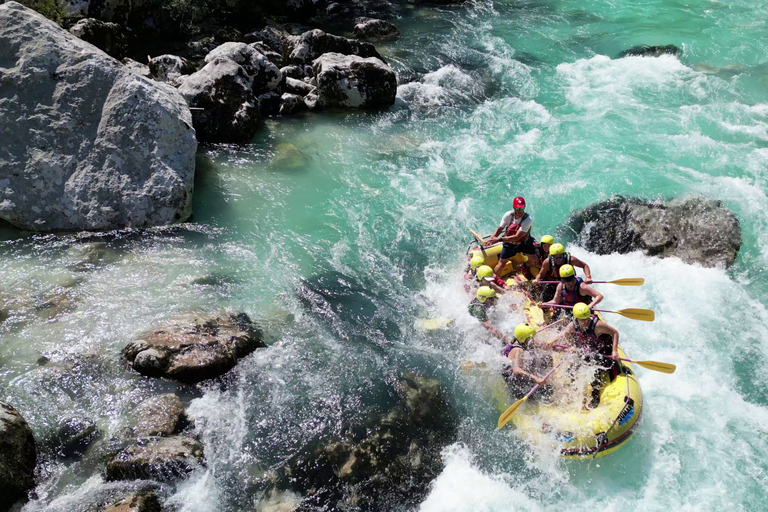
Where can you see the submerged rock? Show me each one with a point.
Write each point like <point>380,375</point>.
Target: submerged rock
<point>650,51</point>
<point>376,30</point>
<point>165,459</point>
<point>86,143</point>
<point>18,455</point>
<point>139,502</point>
<point>160,416</point>
<point>694,229</point>
<point>348,81</point>
<point>194,349</point>
<point>74,435</point>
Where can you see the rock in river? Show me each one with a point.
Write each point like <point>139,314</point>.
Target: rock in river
<point>349,81</point>
<point>165,459</point>
<point>86,144</point>
<point>194,349</point>
<point>18,455</point>
<point>694,229</point>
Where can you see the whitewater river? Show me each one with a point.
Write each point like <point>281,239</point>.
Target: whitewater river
<point>509,98</point>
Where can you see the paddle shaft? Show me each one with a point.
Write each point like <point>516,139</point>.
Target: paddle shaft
<point>571,307</point>
<point>506,415</point>
<point>558,282</point>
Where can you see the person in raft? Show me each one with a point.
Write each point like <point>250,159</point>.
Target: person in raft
<point>470,274</point>
<point>486,277</point>
<point>598,344</point>
<point>573,290</point>
<point>485,298</point>
<point>542,248</point>
<point>515,231</point>
<point>550,267</point>
<point>518,374</point>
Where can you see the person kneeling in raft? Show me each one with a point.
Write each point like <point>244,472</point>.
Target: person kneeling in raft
<point>550,268</point>
<point>486,276</point>
<point>598,343</point>
<point>516,226</point>
<point>485,298</point>
<point>519,380</point>
<point>573,290</point>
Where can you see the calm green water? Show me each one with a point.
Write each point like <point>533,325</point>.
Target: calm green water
<point>511,98</point>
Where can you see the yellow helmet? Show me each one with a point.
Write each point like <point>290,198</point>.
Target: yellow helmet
<point>523,332</point>
<point>548,239</point>
<point>484,271</point>
<point>567,271</point>
<point>556,249</point>
<point>476,261</point>
<point>484,293</point>
<point>581,310</point>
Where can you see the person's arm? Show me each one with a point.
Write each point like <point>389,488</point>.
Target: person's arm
<point>493,330</point>
<point>494,238</point>
<point>564,335</point>
<point>576,262</point>
<point>585,289</point>
<point>558,298</point>
<point>514,356</point>
<point>542,271</point>
<point>604,328</point>
<point>496,287</point>
<point>521,233</point>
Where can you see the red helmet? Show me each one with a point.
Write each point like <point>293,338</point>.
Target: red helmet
<point>518,202</point>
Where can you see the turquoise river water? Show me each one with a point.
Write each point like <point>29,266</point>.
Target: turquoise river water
<point>509,98</point>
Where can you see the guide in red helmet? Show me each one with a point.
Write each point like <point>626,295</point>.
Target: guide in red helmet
<point>515,233</point>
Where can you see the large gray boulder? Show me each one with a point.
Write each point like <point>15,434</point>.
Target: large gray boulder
<point>87,144</point>
<point>694,229</point>
<point>107,36</point>
<point>225,108</point>
<point>372,29</point>
<point>349,81</point>
<point>310,45</point>
<point>194,349</point>
<point>18,455</point>
<point>264,75</point>
<point>169,68</point>
<point>160,416</point>
<point>165,459</point>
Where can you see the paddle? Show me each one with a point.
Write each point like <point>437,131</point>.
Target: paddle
<point>646,315</point>
<point>507,415</point>
<point>480,241</point>
<point>656,366</point>
<point>432,324</point>
<point>630,281</point>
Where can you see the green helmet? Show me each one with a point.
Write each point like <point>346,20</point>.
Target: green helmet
<point>476,261</point>
<point>547,239</point>
<point>523,332</point>
<point>556,249</point>
<point>483,272</point>
<point>581,310</point>
<point>567,271</point>
<point>484,293</point>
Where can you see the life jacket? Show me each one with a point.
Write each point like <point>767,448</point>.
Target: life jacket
<point>478,310</point>
<point>595,345</point>
<point>554,270</point>
<point>515,344</point>
<point>514,226</point>
<point>587,337</point>
<point>573,297</point>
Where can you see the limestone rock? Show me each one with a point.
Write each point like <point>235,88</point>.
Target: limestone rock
<point>160,416</point>
<point>137,67</point>
<point>165,459</point>
<point>349,81</point>
<point>291,104</point>
<point>310,45</point>
<point>294,71</point>
<point>265,76</point>
<point>376,30</point>
<point>298,87</point>
<point>86,143</point>
<point>18,455</point>
<point>194,349</point>
<point>168,68</point>
<point>222,89</point>
<point>695,229</point>
<point>109,37</point>
<point>138,502</point>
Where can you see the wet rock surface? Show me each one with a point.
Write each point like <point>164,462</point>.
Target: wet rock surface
<point>694,229</point>
<point>139,502</point>
<point>264,75</point>
<point>376,30</point>
<point>165,459</point>
<point>160,416</point>
<point>74,435</point>
<point>18,455</point>
<point>169,68</point>
<point>310,45</point>
<point>349,81</point>
<point>194,349</point>
<point>650,51</point>
<point>393,460</point>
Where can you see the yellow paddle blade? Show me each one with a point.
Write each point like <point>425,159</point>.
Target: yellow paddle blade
<point>432,324</point>
<point>630,281</point>
<point>657,366</point>
<point>471,365</point>
<point>507,415</point>
<point>477,236</point>
<point>646,315</point>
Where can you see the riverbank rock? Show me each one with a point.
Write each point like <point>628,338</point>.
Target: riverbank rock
<point>264,75</point>
<point>18,455</point>
<point>694,229</point>
<point>391,461</point>
<point>165,459</point>
<point>376,30</point>
<point>169,68</point>
<point>310,45</point>
<point>86,143</point>
<point>138,502</point>
<point>349,81</point>
<point>108,37</point>
<point>650,51</point>
<point>74,435</point>
<point>194,349</point>
<point>160,416</point>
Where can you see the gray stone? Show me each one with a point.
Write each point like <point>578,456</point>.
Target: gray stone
<point>167,68</point>
<point>695,229</point>
<point>106,36</point>
<point>74,435</point>
<point>294,71</point>
<point>265,76</point>
<point>18,455</point>
<point>160,416</point>
<point>376,30</point>
<point>225,107</point>
<point>650,51</point>
<point>310,45</point>
<point>274,57</point>
<point>138,502</point>
<point>349,81</point>
<point>298,87</point>
<point>136,67</point>
<point>291,104</point>
<point>86,143</point>
<point>194,349</point>
<point>165,459</point>
<point>272,37</point>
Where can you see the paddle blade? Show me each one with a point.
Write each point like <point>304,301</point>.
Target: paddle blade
<point>432,324</point>
<point>507,415</point>
<point>630,281</point>
<point>657,366</point>
<point>646,315</point>
<point>477,236</point>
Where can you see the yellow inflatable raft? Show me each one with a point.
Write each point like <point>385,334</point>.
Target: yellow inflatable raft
<point>491,258</point>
